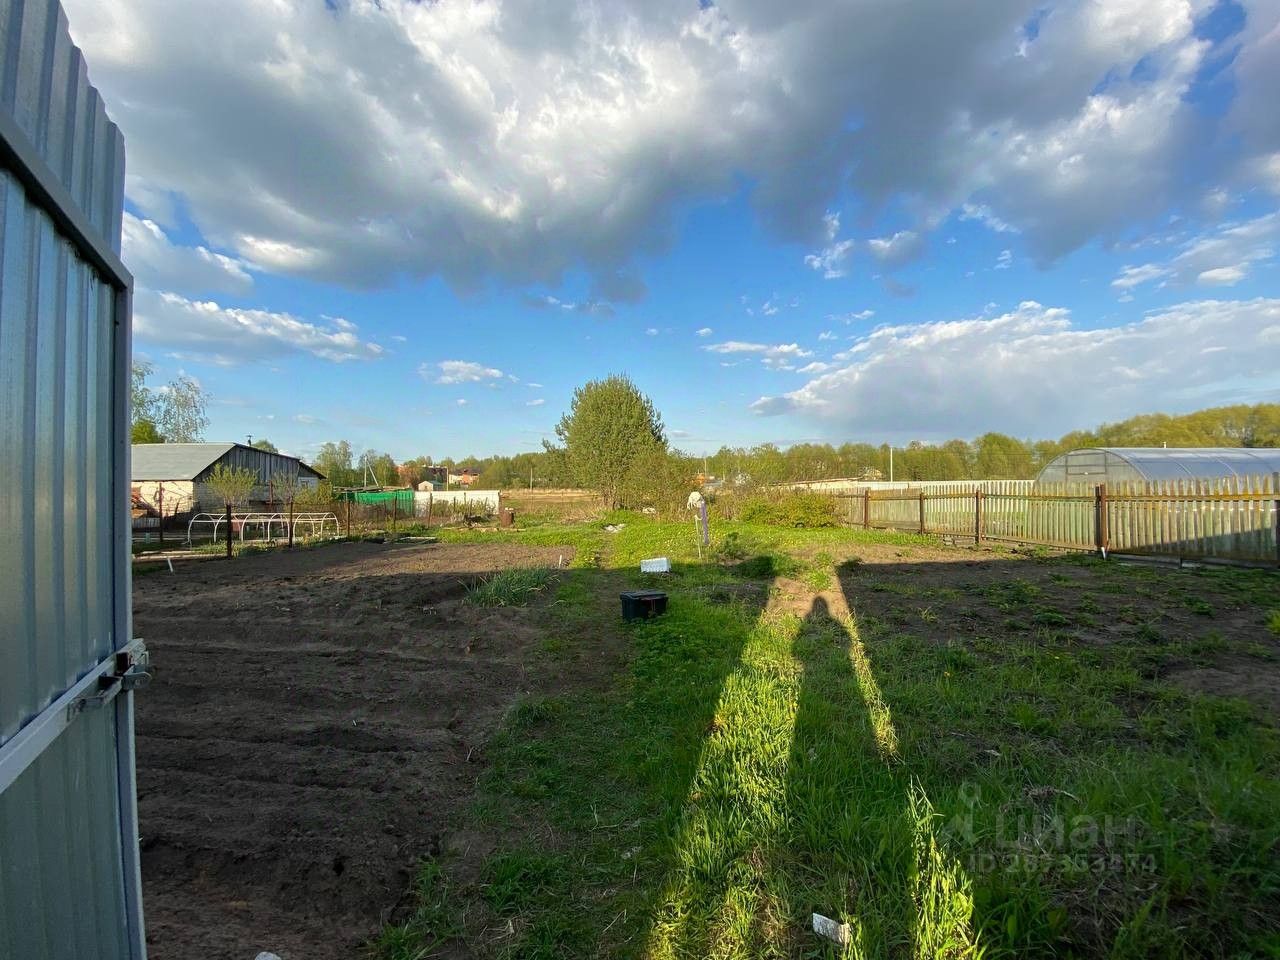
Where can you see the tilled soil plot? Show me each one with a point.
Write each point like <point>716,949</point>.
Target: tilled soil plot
<point>315,718</point>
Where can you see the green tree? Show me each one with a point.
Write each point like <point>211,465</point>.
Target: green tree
<point>1000,457</point>
<point>314,496</point>
<point>181,410</point>
<point>284,486</point>
<point>145,431</point>
<point>334,461</point>
<point>378,468</point>
<point>610,424</point>
<point>264,444</point>
<point>175,413</point>
<point>232,485</point>
<point>142,402</point>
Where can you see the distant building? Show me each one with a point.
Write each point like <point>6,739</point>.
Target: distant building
<point>465,477</point>
<point>169,479</point>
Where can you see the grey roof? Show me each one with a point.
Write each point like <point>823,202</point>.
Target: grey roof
<point>174,461</point>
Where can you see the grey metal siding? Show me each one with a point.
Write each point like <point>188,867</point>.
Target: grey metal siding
<point>57,508</point>
<point>61,853</point>
<point>68,880</point>
<point>261,462</point>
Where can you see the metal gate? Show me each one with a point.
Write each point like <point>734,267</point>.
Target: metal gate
<point>69,880</point>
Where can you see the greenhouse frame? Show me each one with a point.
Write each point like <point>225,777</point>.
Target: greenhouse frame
<point>1120,465</point>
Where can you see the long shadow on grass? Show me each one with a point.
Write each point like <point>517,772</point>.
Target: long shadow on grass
<point>860,844</point>
<point>799,806</point>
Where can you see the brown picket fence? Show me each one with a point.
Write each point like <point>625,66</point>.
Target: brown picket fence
<point>1234,519</point>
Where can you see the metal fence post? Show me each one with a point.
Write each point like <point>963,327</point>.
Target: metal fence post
<point>977,517</point>
<point>291,522</point>
<point>228,530</point>
<point>921,511</point>
<point>394,503</point>
<point>347,516</point>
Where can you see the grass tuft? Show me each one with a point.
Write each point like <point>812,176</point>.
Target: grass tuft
<point>511,588</point>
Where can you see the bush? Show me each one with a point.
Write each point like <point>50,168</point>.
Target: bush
<point>789,510</point>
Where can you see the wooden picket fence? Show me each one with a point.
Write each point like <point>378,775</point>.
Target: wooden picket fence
<point>1233,519</point>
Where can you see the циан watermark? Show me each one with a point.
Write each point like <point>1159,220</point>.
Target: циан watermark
<point>1037,842</point>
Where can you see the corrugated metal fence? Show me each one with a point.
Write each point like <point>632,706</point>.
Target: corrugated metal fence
<point>1232,519</point>
<point>69,884</point>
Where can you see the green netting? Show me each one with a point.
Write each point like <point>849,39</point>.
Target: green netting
<point>402,498</point>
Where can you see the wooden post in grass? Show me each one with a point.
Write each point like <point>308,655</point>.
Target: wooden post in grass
<point>394,502</point>
<point>977,517</point>
<point>346,513</point>
<point>1275,488</point>
<point>921,511</point>
<point>866,509</point>
<point>228,529</point>
<point>1101,536</point>
<point>291,523</point>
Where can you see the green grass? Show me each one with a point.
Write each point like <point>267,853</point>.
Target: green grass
<point>996,793</point>
<point>511,588</point>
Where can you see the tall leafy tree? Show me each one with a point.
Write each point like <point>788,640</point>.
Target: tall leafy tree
<point>175,413</point>
<point>141,400</point>
<point>334,461</point>
<point>378,468</point>
<point>181,417</point>
<point>610,425</point>
<point>266,445</point>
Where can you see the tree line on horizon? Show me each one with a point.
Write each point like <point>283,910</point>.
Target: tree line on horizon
<point>611,424</point>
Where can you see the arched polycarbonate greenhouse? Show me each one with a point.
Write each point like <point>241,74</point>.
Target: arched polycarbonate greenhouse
<point>1120,465</point>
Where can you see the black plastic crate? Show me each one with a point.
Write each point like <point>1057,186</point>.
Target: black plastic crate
<point>643,604</point>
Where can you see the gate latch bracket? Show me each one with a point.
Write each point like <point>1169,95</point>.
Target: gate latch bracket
<point>130,670</point>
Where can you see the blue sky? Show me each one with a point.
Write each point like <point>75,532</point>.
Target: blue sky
<point>418,228</point>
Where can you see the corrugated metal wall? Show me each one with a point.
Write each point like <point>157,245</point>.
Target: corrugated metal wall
<point>68,881</point>
<point>262,462</point>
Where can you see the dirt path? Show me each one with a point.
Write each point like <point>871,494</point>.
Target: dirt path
<point>315,720</point>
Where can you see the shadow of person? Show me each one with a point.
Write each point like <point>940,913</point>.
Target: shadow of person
<point>860,833</point>
<point>800,805</point>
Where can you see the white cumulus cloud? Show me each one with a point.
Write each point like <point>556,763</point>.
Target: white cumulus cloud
<point>370,139</point>
<point>1221,257</point>
<point>158,263</point>
<point>459,371</point>
<point>1033,372</point>
<point>202,329</point>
